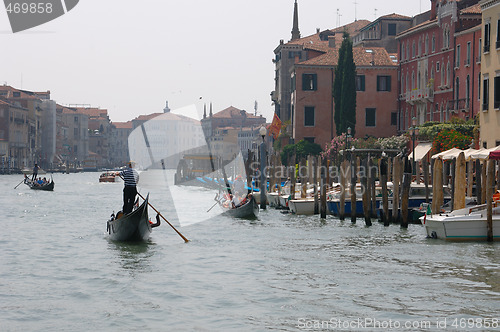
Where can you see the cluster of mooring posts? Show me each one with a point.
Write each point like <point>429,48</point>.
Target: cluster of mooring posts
<point>377,177</point>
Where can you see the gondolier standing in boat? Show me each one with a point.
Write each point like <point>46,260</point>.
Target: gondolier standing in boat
<point>35,172</point>
<point>130,178</point>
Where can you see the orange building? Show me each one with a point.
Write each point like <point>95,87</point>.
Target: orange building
<point>376,100</point>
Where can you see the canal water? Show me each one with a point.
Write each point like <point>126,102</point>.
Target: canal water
<point>59,272</point>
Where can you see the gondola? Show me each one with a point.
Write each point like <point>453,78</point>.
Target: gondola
<point>47,187</point>
<point>134,226</point>
<point>248,209</point>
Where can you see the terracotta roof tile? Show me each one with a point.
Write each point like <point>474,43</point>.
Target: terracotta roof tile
<point>474,9</point>
<point>363,56</point>
<point>352,28</point>
<point>92,111</point>
<point>147,117</point>
<point>123,125</point>
<point>394,16</point>
<point>232,112</point>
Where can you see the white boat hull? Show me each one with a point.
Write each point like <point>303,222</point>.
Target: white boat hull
<point>302,206</point>
<point>470,227</point>
<point>273,199</point>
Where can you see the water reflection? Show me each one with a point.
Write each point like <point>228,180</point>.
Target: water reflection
<point>133,256</point>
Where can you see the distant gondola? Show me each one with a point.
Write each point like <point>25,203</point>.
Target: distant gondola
<point>134,226</point>
<point>35,186</point>
<point>248,209</point>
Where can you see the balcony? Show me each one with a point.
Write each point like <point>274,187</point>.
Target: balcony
<point>420,95</point>
<point>459,105</point>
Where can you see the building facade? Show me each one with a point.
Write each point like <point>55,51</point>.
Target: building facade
<point>376,97</point>
<point>490,69</point>
<point>431,56</point>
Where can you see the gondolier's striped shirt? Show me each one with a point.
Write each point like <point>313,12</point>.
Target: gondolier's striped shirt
<point>130,177</point>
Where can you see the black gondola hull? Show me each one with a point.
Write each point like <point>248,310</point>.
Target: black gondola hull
<point>249,210</point>
<point>47,187</point>
<point>134,226</point>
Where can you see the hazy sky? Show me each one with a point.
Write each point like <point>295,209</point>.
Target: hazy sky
<point>131,56</point>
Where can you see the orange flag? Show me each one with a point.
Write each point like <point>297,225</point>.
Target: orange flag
<point>275,127</point>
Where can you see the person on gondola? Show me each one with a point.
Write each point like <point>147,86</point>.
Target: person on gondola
<point>35,172</point>
<point>239,190</point>
<point>130,180</point>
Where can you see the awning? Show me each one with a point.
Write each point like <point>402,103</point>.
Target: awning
<point>448,154</point>
<point>495,155</point>
<point>421,151</point>
<point>484,154</point>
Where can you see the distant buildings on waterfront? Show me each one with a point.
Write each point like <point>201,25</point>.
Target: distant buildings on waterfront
<point>35,129</point>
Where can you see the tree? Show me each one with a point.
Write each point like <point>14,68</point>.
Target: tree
<point>302,149</point>
<point>344,88</point>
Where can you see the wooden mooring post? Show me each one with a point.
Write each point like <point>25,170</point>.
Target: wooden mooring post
<point>437,187</point>
<point>323,190</point>
<point>460,184</point>
<point>405,194</point>
<point>344,167</point>
<point>354,160</point>
<point>365,190</point>
<point>395,188</point>
<point>385,200</point>
<point>489,198</point>
<point>315,162</point>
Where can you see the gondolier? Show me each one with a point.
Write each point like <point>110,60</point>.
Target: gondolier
<point>130,179</point>
<point>35,172</point>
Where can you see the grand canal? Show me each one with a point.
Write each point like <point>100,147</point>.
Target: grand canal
<point>58,270</point>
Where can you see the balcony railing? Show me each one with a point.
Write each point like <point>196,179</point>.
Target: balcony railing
<point>459,104</point>
<point>486,48</point>
<point>420,95</point>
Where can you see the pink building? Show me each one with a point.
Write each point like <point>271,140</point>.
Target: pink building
<point>438,69</point>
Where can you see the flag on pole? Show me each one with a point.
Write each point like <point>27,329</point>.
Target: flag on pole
<point>275,127</point>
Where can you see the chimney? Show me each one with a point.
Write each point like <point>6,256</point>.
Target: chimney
<point>331,41</point>
<point>434,4</point>
<point>317,30</point>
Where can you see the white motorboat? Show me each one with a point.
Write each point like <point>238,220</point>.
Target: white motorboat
<point>468,224</point>
<point>303,206</point>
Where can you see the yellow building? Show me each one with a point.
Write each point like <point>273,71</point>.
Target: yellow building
<point>490,74</point>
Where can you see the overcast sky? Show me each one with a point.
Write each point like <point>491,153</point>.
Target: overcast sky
<point>129,57</point>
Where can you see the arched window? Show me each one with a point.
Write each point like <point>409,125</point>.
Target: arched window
<point>467,91</point>
<point>412,80</point>
<point>406,83</point>
<point>419,79</point>
<point>426,44</point>
<point>413,50</point>
<point>448,74</point>
<point>402,51</point>
<point>402,84</point>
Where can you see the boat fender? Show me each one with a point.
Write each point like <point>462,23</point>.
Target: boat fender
<point>434,235</point>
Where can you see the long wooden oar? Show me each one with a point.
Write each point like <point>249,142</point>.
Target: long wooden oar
<point>19,184</point>
<point>185,240</point>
